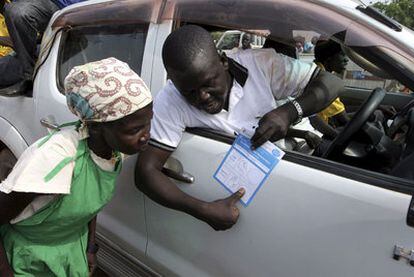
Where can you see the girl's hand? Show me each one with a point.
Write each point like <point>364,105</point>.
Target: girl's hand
<point>92,263</point>
<point>6,271</point>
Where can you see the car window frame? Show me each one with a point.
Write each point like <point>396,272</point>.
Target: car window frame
<point>61,46</point>
<point>343,170</point>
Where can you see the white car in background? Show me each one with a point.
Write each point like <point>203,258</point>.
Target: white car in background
<point>234,38</point>
<point>346,214</point>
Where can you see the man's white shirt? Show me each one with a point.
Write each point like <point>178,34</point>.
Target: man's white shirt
<point>271,77</point>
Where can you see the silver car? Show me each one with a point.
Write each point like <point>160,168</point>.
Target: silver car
<point>345,214</point>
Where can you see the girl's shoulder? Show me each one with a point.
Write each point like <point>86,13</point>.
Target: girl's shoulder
<point>28,175</point>
<point>65,140</point>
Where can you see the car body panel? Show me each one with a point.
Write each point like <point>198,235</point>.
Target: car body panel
<point>11,138</point>
<point>302,222</point>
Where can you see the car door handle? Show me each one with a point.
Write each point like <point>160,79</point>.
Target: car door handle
<point>46,122</point>
<point>179,176</point>
<point>174,169</point>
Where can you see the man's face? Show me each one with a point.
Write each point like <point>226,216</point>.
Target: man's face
<point>337,63</point>
<point>246,41</point>
<point>206,86</point>
<point>130,134</point>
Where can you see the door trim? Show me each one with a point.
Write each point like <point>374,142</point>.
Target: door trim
<point>357,174</point>
<point>117,262</point>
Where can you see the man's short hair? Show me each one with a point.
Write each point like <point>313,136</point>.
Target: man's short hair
<point>325,49</point>
<point>184,45</point>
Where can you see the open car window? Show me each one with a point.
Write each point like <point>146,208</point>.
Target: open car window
<point>297,148</point>
<point>355,76</point>
<point>279,19</point>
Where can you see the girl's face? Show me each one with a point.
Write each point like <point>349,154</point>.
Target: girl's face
<point>130,134</point>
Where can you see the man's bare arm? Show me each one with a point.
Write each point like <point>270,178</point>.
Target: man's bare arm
<point>319,93</point>
<point>323,127</point>
<point>220,214</point>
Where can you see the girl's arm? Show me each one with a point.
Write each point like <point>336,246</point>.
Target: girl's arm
<point>5,268</point>
<point>11,205</point>
<point>91,233</point>
<point>92,247</point>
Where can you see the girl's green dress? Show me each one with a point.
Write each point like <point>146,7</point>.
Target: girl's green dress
<point>53,241</point>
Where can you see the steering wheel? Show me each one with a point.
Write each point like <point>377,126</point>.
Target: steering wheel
<point>339,144</point>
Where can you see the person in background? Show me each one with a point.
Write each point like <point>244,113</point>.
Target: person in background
<point>330,57</point>
<point>49,202</point>
<point>10,68</point>
<point>5,41</point>
<point>25,20</point>
<point>246,41</point>
<point>299,44</point>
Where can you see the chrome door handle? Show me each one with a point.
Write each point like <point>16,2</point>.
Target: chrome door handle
<point>179,176</point>
<point>174,169</point>
<point>46,123</point>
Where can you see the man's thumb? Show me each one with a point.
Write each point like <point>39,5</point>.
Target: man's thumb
<point>237,195</point>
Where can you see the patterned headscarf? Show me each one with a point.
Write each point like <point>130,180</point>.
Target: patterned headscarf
<point>105,90</point>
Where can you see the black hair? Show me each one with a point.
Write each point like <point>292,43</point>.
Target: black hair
<point>184,45</point>
<point>325,49</point>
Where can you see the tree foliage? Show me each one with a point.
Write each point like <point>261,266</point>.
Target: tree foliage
<point>400,10</point>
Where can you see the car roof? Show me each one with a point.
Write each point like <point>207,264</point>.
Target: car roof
<point>275,18</point>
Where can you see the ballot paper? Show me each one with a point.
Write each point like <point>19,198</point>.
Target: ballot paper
<point>243,167</point>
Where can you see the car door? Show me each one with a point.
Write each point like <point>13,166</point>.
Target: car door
<point>312,217</point>
<point>304,221</point>
<point>121,227</point>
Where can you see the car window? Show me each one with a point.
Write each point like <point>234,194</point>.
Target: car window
<point>296,36</point>
<point>357,77</point>
<point>232,39</point>
<point>354,75</point>
<point>86,44</point>
<point>229,41</point>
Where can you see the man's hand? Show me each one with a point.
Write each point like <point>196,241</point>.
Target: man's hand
<point>92,262</point>
<point>313,140</point>
<point>223,214</point>
<point>273,125</point>
<point>220,214</point>
<point>388,110</point>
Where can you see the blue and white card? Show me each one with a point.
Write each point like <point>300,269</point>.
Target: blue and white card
<point>243,167</point>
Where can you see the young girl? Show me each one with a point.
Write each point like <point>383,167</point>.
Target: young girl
<point>49,202</point>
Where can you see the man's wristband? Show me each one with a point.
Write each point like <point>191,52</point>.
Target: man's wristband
<point>92,248</point>
<point>298,110</point>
